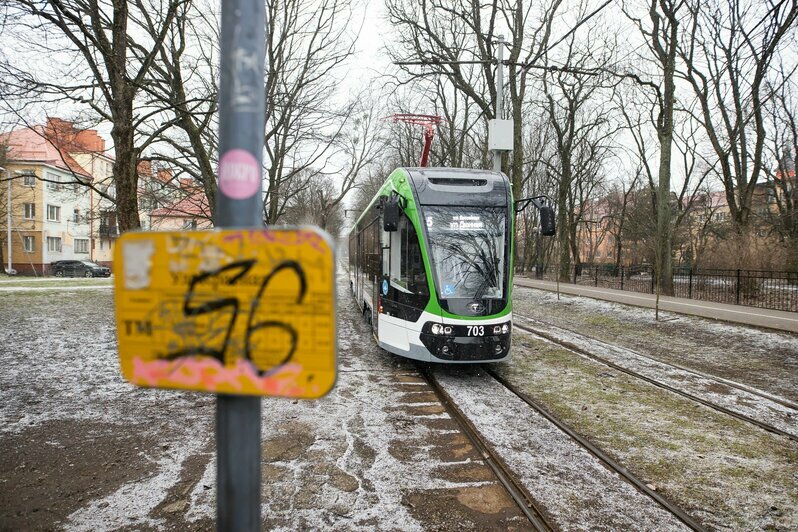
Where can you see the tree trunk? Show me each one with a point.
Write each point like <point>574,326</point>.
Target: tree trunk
<point>126,176</point>
<point>563,232</point>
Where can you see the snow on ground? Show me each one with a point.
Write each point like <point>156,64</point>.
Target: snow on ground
<point>565,478</point>
<point>49,288</point>
<point>702,386</point>
<point>762,359</point>
<point>363,456</point>
<point>60,364</point>
<point>645,316</point>
<point>355,427</point>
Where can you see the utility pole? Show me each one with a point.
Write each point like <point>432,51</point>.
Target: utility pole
<point>497,154</point>
<point>242,111</point>
<point>499,130</point>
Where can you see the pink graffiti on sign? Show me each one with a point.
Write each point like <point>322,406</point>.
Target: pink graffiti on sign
<point>239,174</point>
<point>288,238</point>
<point>208,374</point>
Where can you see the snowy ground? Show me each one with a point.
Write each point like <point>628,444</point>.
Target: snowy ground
<point>83,450</point>
<point>577,490</point>
<point>764,359</point>
<point>725,472</point>
<point>755,404</point>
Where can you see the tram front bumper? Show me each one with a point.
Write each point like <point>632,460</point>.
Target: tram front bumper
<point>462,347</point>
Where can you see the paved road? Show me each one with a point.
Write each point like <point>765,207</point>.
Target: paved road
<point>773,319</point>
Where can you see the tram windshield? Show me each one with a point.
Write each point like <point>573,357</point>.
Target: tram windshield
<point>468,250</point>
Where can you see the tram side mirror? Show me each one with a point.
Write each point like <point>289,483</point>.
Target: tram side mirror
<point>547,225</point>
<point>390,215</point>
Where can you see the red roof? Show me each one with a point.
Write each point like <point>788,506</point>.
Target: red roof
<point>194,204</point>
<point>49,145</point>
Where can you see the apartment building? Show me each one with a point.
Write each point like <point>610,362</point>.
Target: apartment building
<point>50,206</point>
<point>63,198</point>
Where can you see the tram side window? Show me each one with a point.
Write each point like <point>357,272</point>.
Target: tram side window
<point>410,280</point>
<point>371,248</point>
<point>352,238</point>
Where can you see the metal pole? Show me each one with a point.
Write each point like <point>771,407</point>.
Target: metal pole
<point>8,201</point>
<point>497,154</point>
<point>737,301</point>
<point>239,203</point>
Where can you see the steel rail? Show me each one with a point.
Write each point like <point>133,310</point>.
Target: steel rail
<point>608,461</point>
<point>732,384</point>
<point>593,356</point>
<point>516,490</point>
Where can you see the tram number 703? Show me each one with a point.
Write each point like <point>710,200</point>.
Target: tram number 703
<point>476,330</point>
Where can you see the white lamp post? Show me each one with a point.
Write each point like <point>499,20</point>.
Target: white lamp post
<point>8,178</point>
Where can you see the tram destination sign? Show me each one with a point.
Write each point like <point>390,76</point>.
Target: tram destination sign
<point>244,312</point>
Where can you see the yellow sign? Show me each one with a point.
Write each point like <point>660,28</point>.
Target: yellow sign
<point>246,312</point>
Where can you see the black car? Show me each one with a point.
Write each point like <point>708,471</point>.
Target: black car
<point>79,268</point>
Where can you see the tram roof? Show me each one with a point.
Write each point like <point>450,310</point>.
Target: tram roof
<point>452,186</point>
<point>459,186</point>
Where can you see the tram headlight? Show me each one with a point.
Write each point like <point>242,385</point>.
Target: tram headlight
<point>447,329</point>
<point>501,329</point>
<point>437,328</point>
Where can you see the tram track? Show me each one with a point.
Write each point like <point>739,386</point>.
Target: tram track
<point>727,382</point>
<point>572,346</point>
<point>606,459</point>
<point>526,503</point>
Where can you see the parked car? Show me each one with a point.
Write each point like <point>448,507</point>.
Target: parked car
<point>79,268</point>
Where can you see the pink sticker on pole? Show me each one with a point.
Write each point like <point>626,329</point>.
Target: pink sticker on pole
<point>239,174</point>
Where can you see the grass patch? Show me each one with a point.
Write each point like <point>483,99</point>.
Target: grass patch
<point>602,320</point>
<point>725,470</point>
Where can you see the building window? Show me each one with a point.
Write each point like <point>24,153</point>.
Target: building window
<point>30,211</point>
<point>81,245</point>
<point>29,180</point>
<point>189,224</point>
<point>53,213</point>
<point>76,216</point>
<point>28,243</point>
<point>54,244</point>
<point>53,182</point>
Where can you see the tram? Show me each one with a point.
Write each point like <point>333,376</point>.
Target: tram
<point>430,264</point>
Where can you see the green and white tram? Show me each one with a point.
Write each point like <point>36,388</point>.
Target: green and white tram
<point>430,264</point>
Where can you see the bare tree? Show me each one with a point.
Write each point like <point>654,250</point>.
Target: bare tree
<point>727,61</point>
<point>457,41</point>
<point>307,43</point>
<point>582,129</point>
<point>782,123</point>
<point>660,29</point>
<point>312,204</point>
<point>110,47</point>
<point>618,200</point>
<point>183,82</point>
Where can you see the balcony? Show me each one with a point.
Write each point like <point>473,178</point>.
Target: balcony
<point>109,231</point>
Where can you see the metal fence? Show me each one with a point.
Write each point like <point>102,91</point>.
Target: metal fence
<point>753,288</point>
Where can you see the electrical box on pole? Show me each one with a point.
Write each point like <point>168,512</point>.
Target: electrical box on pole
<point>500,135</point>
